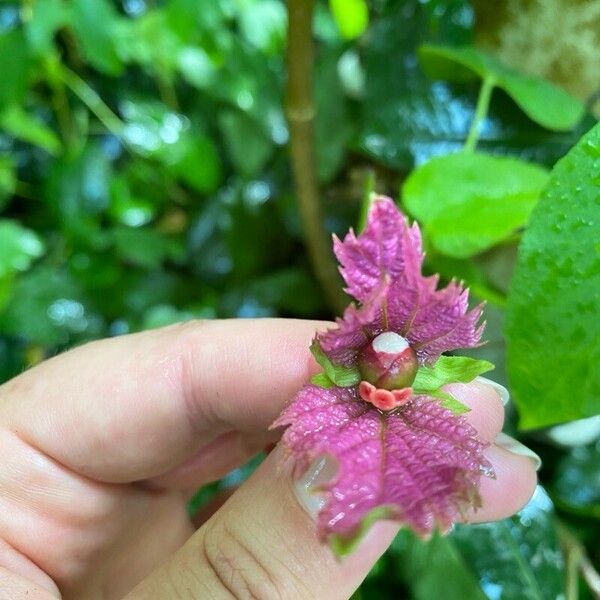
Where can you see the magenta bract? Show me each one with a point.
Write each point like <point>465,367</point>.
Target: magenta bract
<point>400,455</point>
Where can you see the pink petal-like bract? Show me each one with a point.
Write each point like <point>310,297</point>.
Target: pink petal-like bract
<point>421,465</point>
<point>399,453</point>
<point>382,270</point>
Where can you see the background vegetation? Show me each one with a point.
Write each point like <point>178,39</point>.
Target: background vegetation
<point>146,177</point>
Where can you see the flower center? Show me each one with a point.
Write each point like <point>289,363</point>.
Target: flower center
<point>388,367</point>
<point>388,362</point>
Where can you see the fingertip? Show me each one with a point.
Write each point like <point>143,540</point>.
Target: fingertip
<point>510,490</point>
<point>487,411</point>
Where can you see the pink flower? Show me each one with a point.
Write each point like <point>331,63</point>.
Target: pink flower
<point>377,409</point>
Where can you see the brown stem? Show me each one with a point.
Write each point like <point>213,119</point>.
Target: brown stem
<point>300,111</point>
<point>577,562</point>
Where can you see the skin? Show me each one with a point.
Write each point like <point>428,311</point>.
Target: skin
<point>102,446</point>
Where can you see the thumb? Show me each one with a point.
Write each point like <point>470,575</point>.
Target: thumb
<point>262,543</point>
<point>17,587</point>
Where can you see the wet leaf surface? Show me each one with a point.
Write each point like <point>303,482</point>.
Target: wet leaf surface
<point>555,296</point>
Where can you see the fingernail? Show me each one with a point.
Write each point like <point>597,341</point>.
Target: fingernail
<point>515,447</point>
<point>502,391</point>
<point>320,471</point>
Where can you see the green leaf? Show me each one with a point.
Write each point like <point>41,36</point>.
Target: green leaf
<point>21,125</point>
<point>196,162</point>
<point>290,290</point>
<point>18,247</point>
<point>552,325</point>
<point>14,66</point>
<point>245,141</point>
<point>263,23</point>
<point>433,566</point>
<point>449,369</point>
<point>95,23</point>
<point>469,201</point>
<point>196,67</point>
<point>150,42</point>
<point>333,124</point>
<point>8,179</point>
<point>47,17</point>
<point>46,308</point>
<point>518,557</point>
<point>514,559</point>
<point>543,102</point>
<point>576,484</point>
<point>145,248</point>
<point>340,375</point>
<point>6,288</point>
<point>127,209</point>
<point>351,16</point>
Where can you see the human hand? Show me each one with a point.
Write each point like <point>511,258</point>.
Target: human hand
<point>102,447</point>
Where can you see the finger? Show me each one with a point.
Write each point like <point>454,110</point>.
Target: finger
<point>262,543</point>
<point>133,407</point>
<point>214,460</point>
<point>19,572</point>
<point>487,413</point>
<point>15,587</point>
<point>511,488</point>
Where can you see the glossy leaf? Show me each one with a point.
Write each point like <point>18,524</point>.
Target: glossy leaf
<point>517,558</point>
<point>18,247</point>
<point>429,567</point>
<point>542,101</point>
<point>514,559</point>
<point>552,325</point>
<point>468,202</point>
<point>406,119</point>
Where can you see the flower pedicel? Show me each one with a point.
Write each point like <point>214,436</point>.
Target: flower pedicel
<point>402,449</point>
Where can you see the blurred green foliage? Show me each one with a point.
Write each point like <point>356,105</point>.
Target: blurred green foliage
<point>145,179</point>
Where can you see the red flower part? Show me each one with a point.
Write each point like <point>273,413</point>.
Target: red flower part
<point>384,399</point>
<point>400,454</point>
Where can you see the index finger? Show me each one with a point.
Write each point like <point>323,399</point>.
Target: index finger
<point>133,407</point>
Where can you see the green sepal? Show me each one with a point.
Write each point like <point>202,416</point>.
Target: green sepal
<point>448,401</point>
<point>337,374</point>
<point>322,380</point>
<point>342,546</point>
<point>449,369</point>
